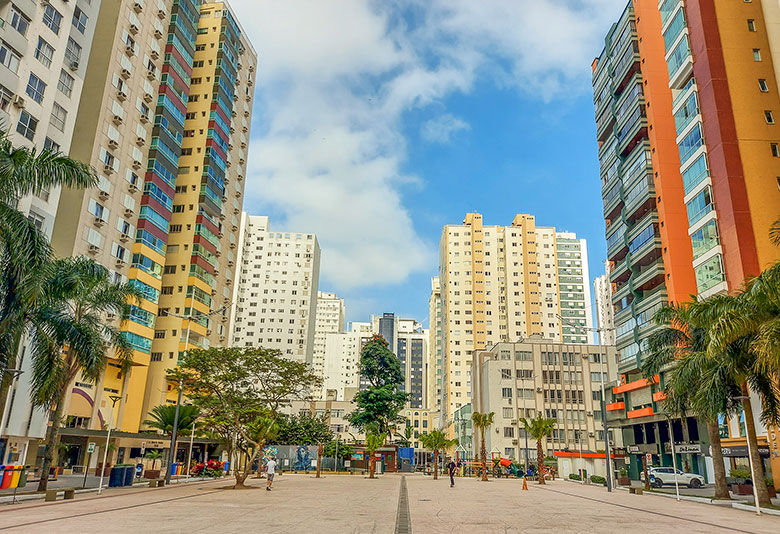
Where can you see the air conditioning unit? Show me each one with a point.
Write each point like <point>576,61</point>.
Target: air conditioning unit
<point>161,13</point>
<point>98,221</point>
<point>112,144</point>
<point>103,195</point>
<point>208,332</point>
<point>137,164</point>
<point>108,169</point>
<point>133,29</point>
<point>121,95</point>
<point>94,249</point>
<point>158,34</point>
<point>218,254</point>
<point>144,118</point>
<point>118,119</point>
<point>18,101</point>
<point>125,73</point>
<point>128,212</point>
<point>513,422</point>
<point>591,434</point>
<point>133,188</point>
<point>539,390</point>
<point>124,238</point>
<point>110,316</point>
<point>222,338</point>
<point>230,263</point>
<point>138,6</point>
<point>120,262</point>
<point>514,442</point>
<point>148,97</point>
<point>140,141</point>
<point>130,50</point>
<point>74,65</point>
<point>154,54</point>
<point>589,414</point>
<point>150,75</point>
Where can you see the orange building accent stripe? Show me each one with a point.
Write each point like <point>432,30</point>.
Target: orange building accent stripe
<point>636,384</point>
<point>641,412</point>
<point>616,406</point>
<point>659,396</point>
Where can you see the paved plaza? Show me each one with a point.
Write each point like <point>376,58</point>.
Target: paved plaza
<point>353,504</point>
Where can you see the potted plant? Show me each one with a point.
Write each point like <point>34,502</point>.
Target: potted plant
<point>770,486</point>
<point>739,484</point>
<point>623,479</point>
<point>153,455</point>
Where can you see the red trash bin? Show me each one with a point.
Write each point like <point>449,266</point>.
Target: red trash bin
<point>8,475</point>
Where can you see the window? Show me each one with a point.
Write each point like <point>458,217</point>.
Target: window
<point>73,51</point>
<point>37,219</point>
<point>65,83</point>
<point>751,25</point>
<point>762,85</point>
<point>27,125</point>
<point>775,150</point>
<point>35,88</point>
<point>704,238</point>
<point>58,117</point>
<point>5,98</point>
<point>44,52</point>
<point>756,54</point>
<point>699,206</point>
<point>19,21</point>
<point>52,18</point>
<point>9,58</point>
<point>50,145</point>
<point>506,374</point>
<point>506,393</point>
<point>690,143</point>
<point>710,273</point>
<point>80,20</point>
<point>770,119</point>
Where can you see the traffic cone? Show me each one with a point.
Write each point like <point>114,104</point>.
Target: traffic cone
<point>525,484</point>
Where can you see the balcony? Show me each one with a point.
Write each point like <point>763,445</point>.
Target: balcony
<point>626,66</point>
<point>648,272</point>
<point>640,412</point>
<point>634,385</point>
<point>613,200</point>
<point>615,406</point>
<point>632,132</point>
<point>640,198</point>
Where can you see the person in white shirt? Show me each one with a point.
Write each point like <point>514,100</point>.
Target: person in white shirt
<point>270,471</point>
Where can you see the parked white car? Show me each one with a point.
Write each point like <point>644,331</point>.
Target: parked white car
<point>665,475</point>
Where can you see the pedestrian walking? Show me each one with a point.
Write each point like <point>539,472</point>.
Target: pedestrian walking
<point>452,466</point>
<point>270,471</point>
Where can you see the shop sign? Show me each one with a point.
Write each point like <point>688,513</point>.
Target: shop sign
<point>688,448</point>
<point>646,448</point>
<point>91,447</point>
<point>741,451</point>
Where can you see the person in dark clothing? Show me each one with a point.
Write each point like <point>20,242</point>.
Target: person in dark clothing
<point>452,467</point>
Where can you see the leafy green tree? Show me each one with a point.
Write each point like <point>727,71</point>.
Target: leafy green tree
<point>153,455</point>
<point>678,348</point>
<point>382,401</point>
<point>161,418</point>
<point>345,450</point>
<point>482,422</point>
<point>234,388</point>
<point>539,429</point>
<point>303,429</point>
<point>25,252</point>
<point>374,442</point>
<point>77,295</point>
<point>436,441</point>
<point>406,439</point>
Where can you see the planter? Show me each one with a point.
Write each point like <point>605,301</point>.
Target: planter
<point>742,489</point>
<point>624,481</point>
<point>152,474</point>
<point>68,471</point>
<point>106,472</point>
<point>772,492</point>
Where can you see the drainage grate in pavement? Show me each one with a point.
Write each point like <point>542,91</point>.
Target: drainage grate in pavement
<point>403,522</point>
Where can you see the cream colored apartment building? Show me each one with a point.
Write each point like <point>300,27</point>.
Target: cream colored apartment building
<point>276,297</point>
<point>330,315</point>
<point>499,284</point>
<point>435,357</point>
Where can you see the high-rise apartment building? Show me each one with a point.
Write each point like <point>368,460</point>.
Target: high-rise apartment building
<point>435,360</point>
<point>330,316</point>
<point>43,51</point>
<point>685,96</point>
<point>605,314</point>
<point>199,273</point>
<point>342,360</point>
<point>503,283</point>
<point>276,298</point>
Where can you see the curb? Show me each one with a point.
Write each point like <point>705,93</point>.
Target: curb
<point>749,508</point>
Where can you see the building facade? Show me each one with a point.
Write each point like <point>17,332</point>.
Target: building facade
<point>435,359</point>
<point>688,91</point>
<point>503,283</point>
<point>605,314</point>
<point>537,376</point>
<point>342,360</point>
<point>330,315</point>
<point>276,297</point>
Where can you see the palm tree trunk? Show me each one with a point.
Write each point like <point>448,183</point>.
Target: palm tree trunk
<point>52,440</point>
<point>435,464</point>
<point>540,461</point>
<point>755,458</point>
<point>721,487</point>
<point>371,466</point>
<point>483,453</point>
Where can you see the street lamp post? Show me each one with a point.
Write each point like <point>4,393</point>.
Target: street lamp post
<point>750,461</point>
<point>674,456</point>
<point>114,400</point>
<point>189,458</point>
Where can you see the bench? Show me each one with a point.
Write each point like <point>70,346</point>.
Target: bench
<point>157,483</point>
<point>51,494</point>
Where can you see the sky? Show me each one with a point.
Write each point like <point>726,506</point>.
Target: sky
<point>376,123</point>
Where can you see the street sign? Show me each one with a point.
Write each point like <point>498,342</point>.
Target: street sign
<point>143,448</point>
<point>91,447</point>
<point>347,463</point>
<point>649,458</point>
<point>688,449</point>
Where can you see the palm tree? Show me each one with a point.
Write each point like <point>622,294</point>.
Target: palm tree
<point>262,431</point>
<point>373,443</point>
<point>482,421</point>
<point>153,455</point>
<point>70,336</point>
<point>406,439</point>
<point>162,417</point>
<point>436,441</point>
<point>679,349</point>
<point>539,429</point>
<point>24,250</point>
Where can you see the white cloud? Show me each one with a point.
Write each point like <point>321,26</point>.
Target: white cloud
<point>439,129</point>
<point>334,81</point>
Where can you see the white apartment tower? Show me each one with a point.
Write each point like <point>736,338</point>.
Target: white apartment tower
<point>434,366</point>
<point>574,288</point>
<point>604,309</point>
<point>342,359</point>
<point>276,297</point>
<point>503,283</point>
<point>330,316</point>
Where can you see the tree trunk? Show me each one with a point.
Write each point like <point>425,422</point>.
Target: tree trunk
<point>721,487</point>
<point>435,464</point>
<point>239,474</point>
<point>483,454</point>
<point>319,459</point>
<point>52,440</point>
<point>644,470</point>
<point>260,456</point>
<point>371,466</point>
<point>759,481</point>
<point>540,461</point>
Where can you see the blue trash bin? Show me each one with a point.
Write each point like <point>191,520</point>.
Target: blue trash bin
<point>129,475</point>
<point>174,466</point>
<point>116,478</point>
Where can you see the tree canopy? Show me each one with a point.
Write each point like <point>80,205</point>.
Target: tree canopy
<point>303,429</point>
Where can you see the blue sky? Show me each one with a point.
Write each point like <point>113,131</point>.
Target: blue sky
<point>377,123</point>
